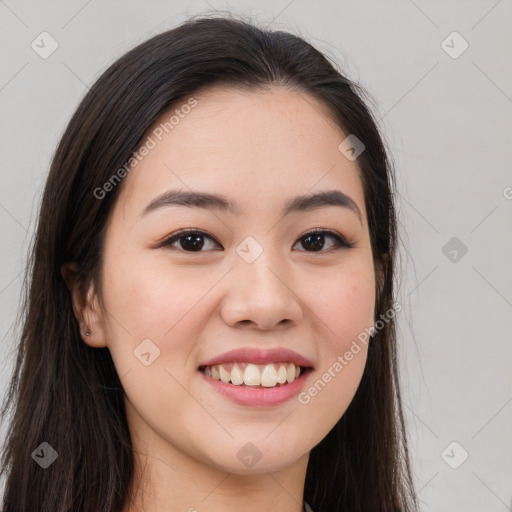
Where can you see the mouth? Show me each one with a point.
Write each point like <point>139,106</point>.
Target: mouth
<point>257,378</point>
<point>252,375</point>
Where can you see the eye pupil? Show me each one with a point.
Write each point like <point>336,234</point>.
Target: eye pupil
<point>197,243</point>
<point>315,244</point>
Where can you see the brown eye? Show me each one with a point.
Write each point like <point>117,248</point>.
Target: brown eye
<point>314,241</point>
<point>194,240</point>
<point>188,240</point>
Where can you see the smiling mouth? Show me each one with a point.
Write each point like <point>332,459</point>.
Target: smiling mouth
<point>255,375</point>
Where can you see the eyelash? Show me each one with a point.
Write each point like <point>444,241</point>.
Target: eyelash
<point>340,241</point>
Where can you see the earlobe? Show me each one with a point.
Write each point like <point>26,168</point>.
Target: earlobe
<point>86,307</point>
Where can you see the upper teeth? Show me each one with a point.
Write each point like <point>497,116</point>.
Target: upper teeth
<point>254,375</point>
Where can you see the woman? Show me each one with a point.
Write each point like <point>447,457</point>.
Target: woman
<point>209,319</point>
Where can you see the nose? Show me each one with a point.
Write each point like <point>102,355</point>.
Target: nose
<point>261,295</point>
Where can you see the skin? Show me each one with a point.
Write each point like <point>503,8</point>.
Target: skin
<point>260,148</point>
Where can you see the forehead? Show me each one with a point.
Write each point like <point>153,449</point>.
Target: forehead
<point>252,145</point>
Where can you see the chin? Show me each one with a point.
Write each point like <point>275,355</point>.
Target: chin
<point>254,458</point>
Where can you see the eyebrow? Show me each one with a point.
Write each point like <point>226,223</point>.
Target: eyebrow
<point>193,199</point>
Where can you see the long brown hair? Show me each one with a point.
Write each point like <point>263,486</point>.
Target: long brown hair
<point>67,394</point>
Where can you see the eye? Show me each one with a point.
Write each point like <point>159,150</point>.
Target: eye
<point>193,240</point>
<point>315,240</point>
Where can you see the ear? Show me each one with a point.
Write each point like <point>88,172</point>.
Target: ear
<point>85,307</point>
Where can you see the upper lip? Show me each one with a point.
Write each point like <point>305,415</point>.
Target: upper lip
<point>258,356</point>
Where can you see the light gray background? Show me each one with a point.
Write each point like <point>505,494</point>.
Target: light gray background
<point>448,123</point>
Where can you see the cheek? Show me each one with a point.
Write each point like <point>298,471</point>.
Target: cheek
<point>168,308</point>
<point>344,309</point>
<point>150,300</point>
<point>155,313</point>
<point>345,305</point>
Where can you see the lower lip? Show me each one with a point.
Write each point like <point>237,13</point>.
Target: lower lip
<point>255,396</point>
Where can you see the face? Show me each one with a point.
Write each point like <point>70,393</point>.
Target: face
<point>254,277</point>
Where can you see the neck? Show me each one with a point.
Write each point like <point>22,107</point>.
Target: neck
<point>161,485</point>
<point>170,477</point>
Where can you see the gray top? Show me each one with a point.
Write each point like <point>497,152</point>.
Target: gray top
<point>307,508</point>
